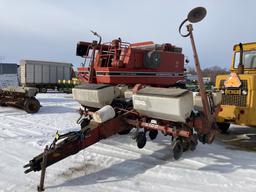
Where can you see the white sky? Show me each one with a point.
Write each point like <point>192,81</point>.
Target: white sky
<point>50,29</point>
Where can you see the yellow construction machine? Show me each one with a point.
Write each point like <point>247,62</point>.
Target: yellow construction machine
<point>239,89</point>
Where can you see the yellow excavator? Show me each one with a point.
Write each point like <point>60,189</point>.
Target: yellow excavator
<point>238,89</point>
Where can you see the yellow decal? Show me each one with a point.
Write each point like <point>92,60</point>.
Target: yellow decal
<point>232,81</point>
<point>233,92</point>
<point>57,136</point>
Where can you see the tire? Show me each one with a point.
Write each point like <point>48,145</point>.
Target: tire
<point>38,103</point>
<point>153,134</point>
<point>185,145</point>
<point>177,149</point>
<point>224,127</point>
<point>207,138</point>
<point>141,140</point>
<point>193,142</point>
<point>31,105</point>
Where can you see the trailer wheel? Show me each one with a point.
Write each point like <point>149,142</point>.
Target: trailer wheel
<point>193,142</point>
<point>224,127</point>
<point>207,138</point>
<point>141,140</point>
<point>177,149</point>
<point>43,90</point>
<point>38,103</point>
<point>185,145</point>
<point>31,105</point>
<point>153,134</point>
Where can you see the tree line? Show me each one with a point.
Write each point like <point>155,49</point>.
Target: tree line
<point>211,72</point>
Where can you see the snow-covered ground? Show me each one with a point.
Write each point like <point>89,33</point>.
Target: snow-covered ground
<point>114,164</point>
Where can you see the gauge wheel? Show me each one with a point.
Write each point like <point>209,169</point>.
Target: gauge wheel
<point>153,134</point>
<point>185,145</point>
<point>193,142</point>
<point>207,138</point>
<point>177,149</point>
<point>141,140</point>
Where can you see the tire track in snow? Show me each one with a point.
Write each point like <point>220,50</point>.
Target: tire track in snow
<point>161,157</point>
<point>25,128</point>
<point>118,165</point>
<point>19,127</point>
<point>27,122</point>
<point>110,156</point>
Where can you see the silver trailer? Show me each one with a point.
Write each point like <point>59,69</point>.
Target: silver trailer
<point>44,74</point>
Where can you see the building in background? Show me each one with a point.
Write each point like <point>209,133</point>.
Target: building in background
<point>8,74</point>
<point>190,77</point>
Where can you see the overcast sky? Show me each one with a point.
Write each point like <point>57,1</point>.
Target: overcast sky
<point>50,29</point>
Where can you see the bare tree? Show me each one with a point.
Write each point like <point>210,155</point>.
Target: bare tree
<point>211,72</point>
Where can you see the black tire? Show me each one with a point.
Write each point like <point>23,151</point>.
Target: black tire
<point>223,127</point>
<point>31,105</point>
<point>207,138</point>
<point>43,90</point>
<point>38,103</point>
<point>153,134</point>
<point>185,145</point>
<point>141,140</point>
<point>193,142</point>
<point>177,149</point>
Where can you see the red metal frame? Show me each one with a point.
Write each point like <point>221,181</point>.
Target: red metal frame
<point>98,131</point>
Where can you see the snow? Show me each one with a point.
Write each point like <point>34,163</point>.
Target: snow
<point>115,164</point>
